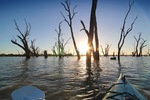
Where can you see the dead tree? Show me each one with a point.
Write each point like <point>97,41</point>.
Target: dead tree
<point>123,53</point>
<point>53,50</point>
<point>92,31</point>
<point>23,39</point>
<point>103,52</point>
<point>148,52</point>
<point>96,52</point>
<point>106,51</point>
<point>60,44</point>
<point>70,15</point>
<point>133,53</point>
<point>87,33</point>
<point>124,32</point>
<point>59,33</point>
<point>139,48</point>
<point>90,44</point>
<point>137,44</point>
<point>45,54</point>
<point>142,45</point>
<point>34,49</point>
<point>63,44</point>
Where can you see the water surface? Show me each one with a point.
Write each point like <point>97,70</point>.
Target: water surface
<point>69,79</point>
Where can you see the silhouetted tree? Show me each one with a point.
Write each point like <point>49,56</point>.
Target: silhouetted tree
<point>87,33</point>
<point>133,53</point>
<point>90,44</point>
<point>59,33</point>
<point>103,52</point>
<point>123,53</point>
<point>45,54</point>
<point>96,54</point>
<point>142,45</point>
<point>92,31</point>
<point>34,49</point>
<point>148,51</point>
<point>140,41</point>
<point>106,51</point>
<point>70,16</point>
<point>63,44</point>
<point>53,50</point>
<point>60,44</point>
<point>137,44</point>
<point>124,32</point>
<point>23,39</point>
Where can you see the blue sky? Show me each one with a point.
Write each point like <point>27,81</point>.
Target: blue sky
<point>44,17</point>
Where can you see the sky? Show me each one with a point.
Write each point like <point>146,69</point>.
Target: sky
<point>44,17</point>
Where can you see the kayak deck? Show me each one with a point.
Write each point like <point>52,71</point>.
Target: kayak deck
<point>123,90</point>
<point>28,93</point>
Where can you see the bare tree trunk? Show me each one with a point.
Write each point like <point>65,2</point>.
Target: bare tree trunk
<point>75,46</point>
<point>23,39</point>
<point>148,51</point>
<point>69,22</point>
<point>96,56</point>
<point>123,32</point>
<point>91,30</point>
<point>102,50</point>
<point>53,49</point>
<point>45,54</point>
<point>60,44</point>
<point>35,50</point>
<point>106,52</point>
<point>142,46</point>
<point>138,54</point>
<point>90,34</point>
<point>137,44</point>
<point>88,53</point>
<point>59,33</point>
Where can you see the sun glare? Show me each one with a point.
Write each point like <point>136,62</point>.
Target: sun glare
<point>83,48</point>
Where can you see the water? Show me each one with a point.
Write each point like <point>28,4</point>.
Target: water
<point>69,79</point>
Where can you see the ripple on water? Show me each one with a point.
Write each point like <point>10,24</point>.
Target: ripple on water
<point>69,79</point>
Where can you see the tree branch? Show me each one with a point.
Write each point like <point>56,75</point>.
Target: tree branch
<point>17,28</point>
<point>74,12</point>
<point>65,19</point>
<point>15,42</point>
<point>84,28</point>
<point>28,28</point>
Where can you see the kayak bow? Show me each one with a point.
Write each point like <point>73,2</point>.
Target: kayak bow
<point>123,90</point>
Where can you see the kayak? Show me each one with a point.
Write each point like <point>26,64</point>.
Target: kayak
<point>123,90</point>
<point>28,93</point>
<point>113,58</point>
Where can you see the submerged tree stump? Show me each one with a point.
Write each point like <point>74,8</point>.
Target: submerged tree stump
<point>45,54</point>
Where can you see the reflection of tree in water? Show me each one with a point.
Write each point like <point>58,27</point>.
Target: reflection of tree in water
<point>89,73</point>
<point>23,75</point>
<point>93,78</point>
<point>59,76</point>
<point>120,69</point>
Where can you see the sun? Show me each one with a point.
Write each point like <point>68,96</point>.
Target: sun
<point>83,48</point>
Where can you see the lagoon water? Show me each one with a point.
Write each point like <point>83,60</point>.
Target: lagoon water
<point>69,79</point>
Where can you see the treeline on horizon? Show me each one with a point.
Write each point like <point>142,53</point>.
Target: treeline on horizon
<point>23,55</point>
<point>69,54</point>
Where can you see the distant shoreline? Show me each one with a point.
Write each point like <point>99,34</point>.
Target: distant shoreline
<point>51,55</point>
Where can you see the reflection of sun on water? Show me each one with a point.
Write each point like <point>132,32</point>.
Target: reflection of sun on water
<point>83,48</point>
